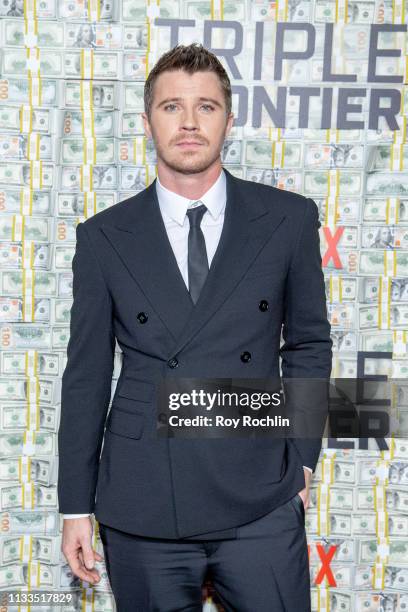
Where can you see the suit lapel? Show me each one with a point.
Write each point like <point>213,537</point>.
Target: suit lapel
<point>141,241</point>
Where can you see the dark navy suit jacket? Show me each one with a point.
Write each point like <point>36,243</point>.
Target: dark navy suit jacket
<point>124,271</point>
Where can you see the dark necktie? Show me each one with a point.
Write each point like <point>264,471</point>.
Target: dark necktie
<point>197,253</point>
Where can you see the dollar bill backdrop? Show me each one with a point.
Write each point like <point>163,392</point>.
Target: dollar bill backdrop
<point>320,100</point>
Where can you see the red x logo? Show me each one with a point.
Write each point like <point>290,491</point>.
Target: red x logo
<point>331,248</point>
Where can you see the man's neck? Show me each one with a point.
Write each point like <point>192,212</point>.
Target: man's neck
<point>191,186</point>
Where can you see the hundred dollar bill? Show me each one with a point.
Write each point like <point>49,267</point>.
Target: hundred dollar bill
<point>134,65</point>
<point>342,315</point>
<point>17,119</point>
<point>136,178</point>
<point>105,11</point>
<point>371,602</point>
<point>101,177</point>
<point>18,309</point>
<point>16,62</point>
<point>35,175</point>
<point>137,150</point>
<point>134,11</point>
<point>86,95</point>
<point>40,362</point>
<point>77,204</point>
<point>231,152</point>
<point>386,157</point>
<point>344,340</point>
<point>387,183</point>
<point>358,12</point>
<point>20,388</point>
<point>334,155</point>
<point>41,548</point>
<point>381,210</point>
<point>46,10</point>
<point>33,575</point>
<point>384,237</point>
<point>290,180</point>
<point>197,9</point>
<point>130,124</point>
<point>102,64</point>
<point>87,123</point>
<point>342,289</point>
<point>20,147</point>
<point>369,290</point>
<point>13,255</point>
<point>341,498</point>
<point>369,471</point>
<point>63,257</point>
<point>35,228</point>
<point>26,336</point>
<point>136,36</point>
<point>94,35</point>
<point>366,524</point>
<point>396,499</point>
<point>29,91</point>
<point>12,282</point>
<point>262,10</point>
<point>348,239</point>
<point>48,34</point>
<point>15,443</point>
<point>346,183</point>
<point>45,522</point>
<point>90,150</point>
<point>12,497</point>
<point>131,96</point>
<point>344,472</point>
<point>375,262</point>
<point>275,154</point>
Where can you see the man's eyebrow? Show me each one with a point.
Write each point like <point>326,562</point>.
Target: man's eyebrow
<point>201,99</point>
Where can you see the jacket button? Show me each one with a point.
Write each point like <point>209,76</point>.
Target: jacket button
<point>245,356</point>
<point>173,362</point>
<point>263,305</point>
<point>142,317</point>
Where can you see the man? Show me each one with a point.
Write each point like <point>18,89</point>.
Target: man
<point>194,277</point>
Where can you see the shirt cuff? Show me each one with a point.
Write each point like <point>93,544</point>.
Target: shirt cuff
<point>68,516</point>
<point>308,468</point>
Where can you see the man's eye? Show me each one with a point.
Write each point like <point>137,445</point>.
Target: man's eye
<point>209,106</point>
<point>167,106</point>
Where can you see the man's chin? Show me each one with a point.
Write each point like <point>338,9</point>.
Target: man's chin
<point>189,166</point>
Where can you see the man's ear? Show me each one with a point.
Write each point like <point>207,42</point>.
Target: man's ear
<point>230,122</point>
<point>146,125</point>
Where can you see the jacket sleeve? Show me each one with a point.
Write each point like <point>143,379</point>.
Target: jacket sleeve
<point>86,381</point>
<point>307,349</point>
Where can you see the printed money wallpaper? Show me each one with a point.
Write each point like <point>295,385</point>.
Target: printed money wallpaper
<point>320,101</point>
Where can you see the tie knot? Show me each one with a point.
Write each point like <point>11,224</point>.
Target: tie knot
<point>195,214</point>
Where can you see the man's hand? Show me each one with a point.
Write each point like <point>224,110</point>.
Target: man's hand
<point>77,549</point>
<point>304,493</point>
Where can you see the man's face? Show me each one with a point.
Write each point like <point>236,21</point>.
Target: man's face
<point>199,114</point>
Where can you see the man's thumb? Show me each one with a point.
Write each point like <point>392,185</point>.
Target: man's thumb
<point>88,557</point>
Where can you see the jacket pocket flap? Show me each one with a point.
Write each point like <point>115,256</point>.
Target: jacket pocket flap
<point>125,423</point>
<point>136,389</point>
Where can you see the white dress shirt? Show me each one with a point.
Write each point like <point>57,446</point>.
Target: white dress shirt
<point>173,208</point>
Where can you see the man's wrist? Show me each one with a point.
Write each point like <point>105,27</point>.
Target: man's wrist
<point>69,516</point>
<point>308,468</point>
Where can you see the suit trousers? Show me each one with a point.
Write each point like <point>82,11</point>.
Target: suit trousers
<point>264,568</point>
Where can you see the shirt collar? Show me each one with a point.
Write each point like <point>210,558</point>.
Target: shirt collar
<point>175,205</point>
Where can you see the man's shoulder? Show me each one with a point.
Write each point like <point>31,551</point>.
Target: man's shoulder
<point>290,202</point>
<point>109,216</point>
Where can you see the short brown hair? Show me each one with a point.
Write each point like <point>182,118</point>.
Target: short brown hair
<point>191,58</point>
